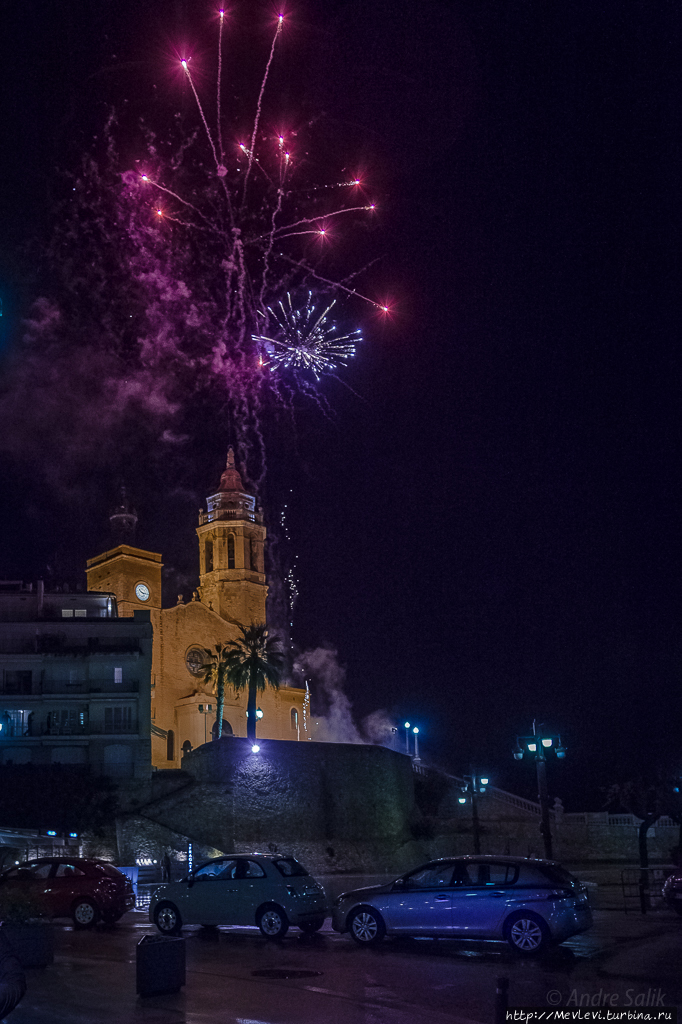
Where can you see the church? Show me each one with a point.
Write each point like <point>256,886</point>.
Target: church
<point>231,593</point>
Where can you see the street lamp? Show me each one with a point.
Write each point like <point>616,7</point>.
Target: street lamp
<point>537,746</point>
<point>474,784</point>
<point>407,738</point>
<point>259,713</point>
<point>205,709</point>
<point>416,743</point>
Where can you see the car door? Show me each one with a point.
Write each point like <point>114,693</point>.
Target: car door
<point>420,903</point>
<point>212,897</point>
<point>481,899</point>
<point>66,883</point>
<point>32,880</point>
<point>253,888</point>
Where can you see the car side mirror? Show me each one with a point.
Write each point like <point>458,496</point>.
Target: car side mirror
<point>399,883</point>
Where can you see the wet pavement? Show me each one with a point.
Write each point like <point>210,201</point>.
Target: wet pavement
<point>234,976</point>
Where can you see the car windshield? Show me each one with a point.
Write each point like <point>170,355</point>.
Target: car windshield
<point>289,867</point>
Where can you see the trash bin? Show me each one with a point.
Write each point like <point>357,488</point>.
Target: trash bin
<point>160,965</point>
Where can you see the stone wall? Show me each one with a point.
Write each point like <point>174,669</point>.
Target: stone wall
<point>348,808</point>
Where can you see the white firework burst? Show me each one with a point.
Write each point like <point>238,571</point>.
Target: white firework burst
<point>303,339</point>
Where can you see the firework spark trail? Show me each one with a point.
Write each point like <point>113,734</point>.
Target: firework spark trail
<point>220,74</point>
<point>162,188</point>
<point>259,104</point>
<point>333,284</point>
<point>201,111</point>
<point>325,216</point>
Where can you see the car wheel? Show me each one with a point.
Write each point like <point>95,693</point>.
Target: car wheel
<point>527,933</point>
<point>312,926</point>
<point>84,913</point>
<point>367,926</point>
<point>167,919</point>
<point>272,922</point>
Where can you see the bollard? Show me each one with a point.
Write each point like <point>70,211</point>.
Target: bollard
<point>160,965</point>
<point>501,1000</point>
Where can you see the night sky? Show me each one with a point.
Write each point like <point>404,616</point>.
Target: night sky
<point>487,524</point>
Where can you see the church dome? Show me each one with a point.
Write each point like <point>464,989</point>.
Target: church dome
<point>231,480</point>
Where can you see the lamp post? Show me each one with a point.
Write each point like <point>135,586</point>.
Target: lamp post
<point>205,709</point>
<point>407,738</point>
<point>475,784</point>
<point>537,746</point>
<point>416,743</point>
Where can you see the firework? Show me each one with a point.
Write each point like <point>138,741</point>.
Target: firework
<point>305,339</point>
<point>175,275</point>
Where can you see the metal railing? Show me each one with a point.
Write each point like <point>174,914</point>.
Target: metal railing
<point>229,513</point>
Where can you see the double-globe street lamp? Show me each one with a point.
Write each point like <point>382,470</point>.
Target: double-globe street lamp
<point>415,733</point>
<point>474,784</point>
<point>538,745</point>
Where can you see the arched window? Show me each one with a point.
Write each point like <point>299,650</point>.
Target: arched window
<point>253,554</point>
<point>208,556</point>
<point>170,746</point>
<point>294,719</point>
<point>186,747</point>
<point>230,551</point>
<point>227,729</point>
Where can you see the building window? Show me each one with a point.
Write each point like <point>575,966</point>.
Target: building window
<point>186,747</point>
<point>253,554</point>
<point>67,613</point>
<point>17,682</point>
<point>118,719</point>
<point>170,746</point>
<point>208,556</point>
<point>230,551</point>
<point>294,719</point>
<point>16,723</point>
<point>118,676</point>
<point>67,721</point>
<point>80,613</point>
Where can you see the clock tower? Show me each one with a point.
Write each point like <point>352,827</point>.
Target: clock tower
<point>231,551</point>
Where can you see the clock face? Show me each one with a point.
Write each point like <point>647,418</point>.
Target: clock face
<point>142,592</point>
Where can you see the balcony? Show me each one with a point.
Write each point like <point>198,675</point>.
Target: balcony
<point>103,686</point>
<point>218,514</point>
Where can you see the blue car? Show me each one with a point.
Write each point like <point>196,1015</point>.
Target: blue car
<point>529,903</point>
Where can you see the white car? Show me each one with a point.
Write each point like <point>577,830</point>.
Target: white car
<point>271,891</point>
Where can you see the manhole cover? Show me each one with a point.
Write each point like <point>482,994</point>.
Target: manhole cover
<point>285,973</point>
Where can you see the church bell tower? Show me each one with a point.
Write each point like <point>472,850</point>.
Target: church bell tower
<point>231,551</point>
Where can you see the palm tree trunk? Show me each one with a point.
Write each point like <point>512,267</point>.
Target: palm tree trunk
<point>251,708</point>
<point>220,706</point>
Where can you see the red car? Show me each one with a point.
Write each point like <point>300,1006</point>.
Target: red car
<point>672,891</point>
<point>84,890</point>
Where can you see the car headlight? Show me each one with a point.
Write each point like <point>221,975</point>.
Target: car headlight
<point>292,891</point>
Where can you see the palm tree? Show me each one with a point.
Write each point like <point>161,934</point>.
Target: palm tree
<point>253,662</point>
<point>215,673</point>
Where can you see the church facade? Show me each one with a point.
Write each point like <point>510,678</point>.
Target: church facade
<point>231,593</point>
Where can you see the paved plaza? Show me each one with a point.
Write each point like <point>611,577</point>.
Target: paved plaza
<point>326,977</point>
